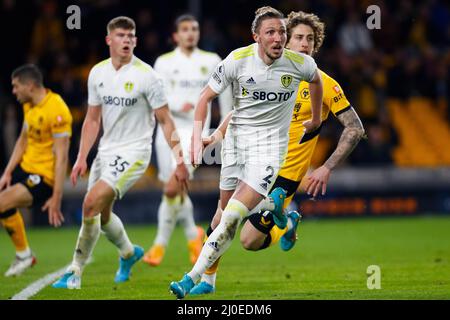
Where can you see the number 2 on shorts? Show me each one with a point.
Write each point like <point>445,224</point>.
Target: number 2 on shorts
<point>268,177</point>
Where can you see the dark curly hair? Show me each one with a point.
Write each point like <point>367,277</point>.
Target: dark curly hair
<point>309,19</point>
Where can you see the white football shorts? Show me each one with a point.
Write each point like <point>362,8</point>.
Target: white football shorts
<point>120,170</point>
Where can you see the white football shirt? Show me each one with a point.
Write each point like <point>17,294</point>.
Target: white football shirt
<point>184,78</point>
<point>264,95</point>
<point>127,97</point>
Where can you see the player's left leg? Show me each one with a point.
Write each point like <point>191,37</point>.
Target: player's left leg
<point>14,197</point>
<point>244,197</point>
<point>115,232</point>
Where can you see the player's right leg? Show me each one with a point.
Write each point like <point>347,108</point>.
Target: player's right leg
<point>14,197</point>
<point>98,198</point>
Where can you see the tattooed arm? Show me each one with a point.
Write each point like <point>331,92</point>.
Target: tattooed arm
<point>353,132</point>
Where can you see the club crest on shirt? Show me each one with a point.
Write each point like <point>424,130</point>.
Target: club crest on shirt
<point>286,80</point>
<point>129,86</point>
<point>305,94</point>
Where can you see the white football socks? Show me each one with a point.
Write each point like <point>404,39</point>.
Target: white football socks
<point>167,219</point>
<point>186,217</point>
<point>116,234</point>
<point>220,240</point>
<point>87,238</point>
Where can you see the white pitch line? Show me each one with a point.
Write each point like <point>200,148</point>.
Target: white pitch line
<point>38,285</point>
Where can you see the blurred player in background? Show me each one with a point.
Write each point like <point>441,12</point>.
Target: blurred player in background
<point>34,176</point>
<point>305,34</point>
<point>124,97</point>
<point>185,72</point>
<point>265,78</point>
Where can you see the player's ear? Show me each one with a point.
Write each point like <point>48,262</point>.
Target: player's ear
<point>108,40</point>
<point>255,37</point>
<point>175,37</point>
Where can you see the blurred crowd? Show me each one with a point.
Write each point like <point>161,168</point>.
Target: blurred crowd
<point>408,56</point>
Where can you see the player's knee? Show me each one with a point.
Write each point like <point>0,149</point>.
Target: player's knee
<point>170,191</point>
<point>249,243</point>
<point>89,206</point>
<point>4,206</point>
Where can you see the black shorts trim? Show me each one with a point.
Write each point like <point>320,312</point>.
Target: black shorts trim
<point>40,191</point>
<point>290,186</point>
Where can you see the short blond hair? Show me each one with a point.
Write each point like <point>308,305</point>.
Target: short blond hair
<point>309,19</point>
<point>264,13</point>
<point>121,22</point>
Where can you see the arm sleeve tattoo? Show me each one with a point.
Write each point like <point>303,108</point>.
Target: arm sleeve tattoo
<point>352,133</point>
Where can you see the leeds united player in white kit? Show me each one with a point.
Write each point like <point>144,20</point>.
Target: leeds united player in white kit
<point>265,79</point>
<point>124,95</point>
<point>185,72</point>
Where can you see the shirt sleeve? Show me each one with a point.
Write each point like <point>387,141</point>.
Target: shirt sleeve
<point>94,98</point>
<point>309,68</point>
<point>154,92</point>
<point>334,96</point>
<point>226,97</point>
<point>61,120</point>
<point>223,75</point>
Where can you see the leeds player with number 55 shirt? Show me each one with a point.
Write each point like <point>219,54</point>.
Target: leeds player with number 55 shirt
<point>125,96</point>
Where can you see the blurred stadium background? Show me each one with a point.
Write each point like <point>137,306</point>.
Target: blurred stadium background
<point>396,77</point>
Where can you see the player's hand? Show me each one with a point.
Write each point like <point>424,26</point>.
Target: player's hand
<point>196,152</point>
<point>212,139</point>
<point>311,125</point>
<point>5,181</point>
<point>318,181</point>
<point>187,107</point>
<point>55,216</point>
<point>79,169</point>
<point>182,176</point>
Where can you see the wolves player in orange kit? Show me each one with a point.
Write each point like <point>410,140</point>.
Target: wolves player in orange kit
<point>34,176</point>
<point>305,34</point>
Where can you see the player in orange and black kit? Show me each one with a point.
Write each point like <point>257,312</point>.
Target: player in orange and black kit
<point>305,34</point>
<point>34,176</point>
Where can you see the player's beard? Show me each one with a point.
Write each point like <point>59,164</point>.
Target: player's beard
<point>273,56</point>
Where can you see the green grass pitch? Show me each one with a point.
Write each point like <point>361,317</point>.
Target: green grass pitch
<point>329,261</point>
